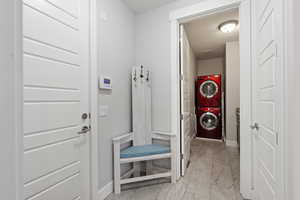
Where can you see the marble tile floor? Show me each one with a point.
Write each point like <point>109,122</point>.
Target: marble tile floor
<point>213,174</point>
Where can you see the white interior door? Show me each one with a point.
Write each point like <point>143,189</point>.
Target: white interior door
<point>268,94</point>
<point>56,61</point>
<point>187,127</point>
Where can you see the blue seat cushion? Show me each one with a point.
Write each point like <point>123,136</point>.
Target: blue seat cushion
<point>144,150</point>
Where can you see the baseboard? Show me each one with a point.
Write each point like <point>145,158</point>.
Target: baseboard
<point>208,139</point>
<point>231,143</point>
<point>105,191</point>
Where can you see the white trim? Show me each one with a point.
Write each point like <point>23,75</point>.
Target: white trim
<point>231,143</point>
<point>175,109</point>
<point>289,67</point>
<point>246,107</point>
<point>105,191</point>
<point>203,8</point>
<point>198,10</point>
<point>208,139</point>
<point>18,97</point>
<point>146,178</point>
<point>94,99</point>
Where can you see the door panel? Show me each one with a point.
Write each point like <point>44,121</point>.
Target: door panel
<point>187,100</point>
<point>51,75</point>
<point>36,164</point>
<point>268,85</point>
<point>52,179</point>
<point>57,116</point>
<point>56,74</point>
<point>66,189</point>
<point>38,25</point>
<point>53,53</point>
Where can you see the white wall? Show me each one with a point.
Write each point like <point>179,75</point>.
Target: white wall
<point>210,66</point>
<point>153,47</point>
<point>7,141</point>
<point>116,58</point>
<point>232,93</point>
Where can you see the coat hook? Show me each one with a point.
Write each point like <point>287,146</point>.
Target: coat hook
<point>142,71</point>
<point>148,76</point>
<point>134,76</point>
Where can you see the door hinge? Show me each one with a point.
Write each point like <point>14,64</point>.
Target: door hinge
<point>277,138</point>
<point>181,156</point>
<point>181,116</point>
<point>181,77</point>
<point>276,50</point>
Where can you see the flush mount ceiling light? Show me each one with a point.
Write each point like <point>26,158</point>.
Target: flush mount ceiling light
<point>228,26</point>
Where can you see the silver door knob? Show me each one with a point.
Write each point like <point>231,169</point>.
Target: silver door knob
<point>84,130</point>
<point>255,126</point>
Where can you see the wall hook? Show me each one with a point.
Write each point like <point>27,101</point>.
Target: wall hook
<point>148,76</point>
<point>142,71</point>
<point>134,76</point>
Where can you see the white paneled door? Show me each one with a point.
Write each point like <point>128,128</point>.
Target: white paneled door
<point>268,95</point>
<point>186,108</point>
<point>56,74</point>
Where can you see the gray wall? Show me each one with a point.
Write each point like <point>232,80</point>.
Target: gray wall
<point>153,50</point>
<point>210,66</point>
<point>7,141</point>
<point>116,58</point>
<point>232,88</point>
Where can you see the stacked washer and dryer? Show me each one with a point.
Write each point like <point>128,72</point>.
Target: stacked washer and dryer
<point>209,106</point>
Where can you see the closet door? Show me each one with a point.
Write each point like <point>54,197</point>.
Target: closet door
<point>56,80</point>
<point>268,95</point>
<point>186,111</point>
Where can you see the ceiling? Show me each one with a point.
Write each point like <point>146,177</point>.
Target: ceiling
<point>205,38</point>
<point>140,6</point>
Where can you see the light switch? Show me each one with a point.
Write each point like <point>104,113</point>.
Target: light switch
<point>103,111</point>
<point>103,16</point>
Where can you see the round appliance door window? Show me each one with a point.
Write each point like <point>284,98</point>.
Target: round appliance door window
<point>208,89</point>
<point>209,121</point>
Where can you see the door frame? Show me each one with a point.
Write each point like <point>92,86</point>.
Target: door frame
<point>195,11</point>
<point>17,77</point>
<point>94,100</point>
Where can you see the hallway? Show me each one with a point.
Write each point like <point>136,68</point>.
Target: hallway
<point>213,174</point>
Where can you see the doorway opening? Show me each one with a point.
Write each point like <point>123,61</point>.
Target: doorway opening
<point>181,17</point>
<point>210,97</point>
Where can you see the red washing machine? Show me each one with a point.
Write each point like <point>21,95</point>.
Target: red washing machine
<point>209,91</point>
<point>209,123</point>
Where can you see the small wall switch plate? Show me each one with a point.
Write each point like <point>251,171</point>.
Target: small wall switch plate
<point>103,111</point>
<point>103,16</point>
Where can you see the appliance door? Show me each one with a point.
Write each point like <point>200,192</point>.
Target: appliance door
<point>209,89</point>
<point>209,121</point>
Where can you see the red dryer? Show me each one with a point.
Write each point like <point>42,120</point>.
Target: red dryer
<point>209,91</point>
<point>209,123</point>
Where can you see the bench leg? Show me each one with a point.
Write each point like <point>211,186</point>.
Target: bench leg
<point>173,160</point>
<point>117,169</point>
<point>149,167</point>
<point>137,169</point>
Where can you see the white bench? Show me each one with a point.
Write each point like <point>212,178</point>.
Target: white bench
<point>139,153</point>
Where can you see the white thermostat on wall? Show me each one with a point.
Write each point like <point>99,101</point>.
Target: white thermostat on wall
<point>105,83</point>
